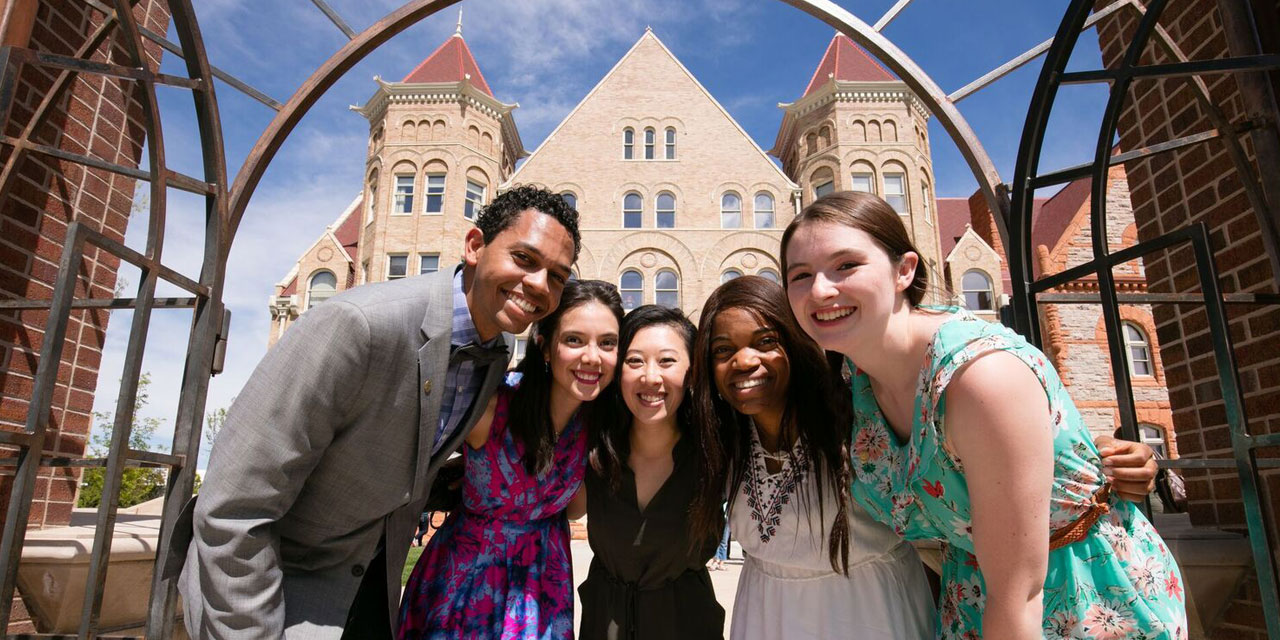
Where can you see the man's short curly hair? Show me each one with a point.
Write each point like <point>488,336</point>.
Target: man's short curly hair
<point>506,208</point>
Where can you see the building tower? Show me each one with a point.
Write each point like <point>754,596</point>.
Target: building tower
<point>857,127</point>
<point>439,145</point>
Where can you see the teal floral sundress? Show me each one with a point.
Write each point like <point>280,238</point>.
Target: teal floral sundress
<point>1119,581</point>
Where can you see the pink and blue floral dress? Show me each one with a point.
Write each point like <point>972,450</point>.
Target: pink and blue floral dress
<point>499,567</point>
<point>1119,581</point>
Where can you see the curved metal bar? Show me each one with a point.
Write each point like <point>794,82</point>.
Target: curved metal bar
<point>207,316</point>
<point>145,91</point>
<point>925,88</point>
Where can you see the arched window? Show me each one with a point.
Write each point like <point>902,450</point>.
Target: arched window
<point>729,274</point>
<point>976,287</point>
<point>924,202</point>
<point>731,211</point>
<point>764,210</point>
<point>863,178</point>
<point>631,214</point>
<point>371,207</point>
<point>823,181</point>
<point>404,194</point>
<point>671,143</point>
<point>665,211</point>
<point>649,140</point>
<point>628,143</point>
<point>666,289</point>
<point>322,287</point>
<point>769,274</point>
<point>435,193</point>
<point>824,137</point>
<point>631,287</point>
<point>895,191</point>
<point>1138,349</point>
<point>570,199</point>
<point>810,143</point>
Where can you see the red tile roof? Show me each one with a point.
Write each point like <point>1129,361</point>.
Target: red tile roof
<point>849,62</point>
<point>953,215</point>
<point>1052,218</point>
<point>450,63</point>
<point>348,234</point>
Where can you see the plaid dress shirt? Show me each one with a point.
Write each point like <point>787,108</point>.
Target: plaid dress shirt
<point>464,376</point>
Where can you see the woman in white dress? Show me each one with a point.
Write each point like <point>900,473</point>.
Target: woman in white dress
<point>776,424</point>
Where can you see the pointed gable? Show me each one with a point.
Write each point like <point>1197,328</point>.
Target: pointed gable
<point>452,62</point>
<point>650,88</point>
<point>847,62</point>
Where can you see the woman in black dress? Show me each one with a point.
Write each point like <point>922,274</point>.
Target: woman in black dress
<point>648,578</point>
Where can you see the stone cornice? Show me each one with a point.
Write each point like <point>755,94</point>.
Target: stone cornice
<point>429,93</point>
<point>842,91</point>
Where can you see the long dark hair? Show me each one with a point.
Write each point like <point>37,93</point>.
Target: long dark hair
<point>817,414</point>
<point>529,415</point>
<point>612,430</point>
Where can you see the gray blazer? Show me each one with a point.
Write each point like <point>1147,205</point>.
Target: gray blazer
<point>326,452</point>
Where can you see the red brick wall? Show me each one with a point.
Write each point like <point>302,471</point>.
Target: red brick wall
<point>47,195</point>
<point>1171,191</point>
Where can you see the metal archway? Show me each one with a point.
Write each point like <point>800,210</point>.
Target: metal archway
<point>226,206</point>
<point>1262,189</point>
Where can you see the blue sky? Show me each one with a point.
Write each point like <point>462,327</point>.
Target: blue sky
<point>546,55</point>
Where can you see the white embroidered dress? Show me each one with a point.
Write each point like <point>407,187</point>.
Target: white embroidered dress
<point>788,589</point>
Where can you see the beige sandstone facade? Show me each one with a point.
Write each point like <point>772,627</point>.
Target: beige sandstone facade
<point>674,195</point>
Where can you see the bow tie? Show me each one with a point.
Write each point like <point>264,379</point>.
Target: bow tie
<point>481,355</point>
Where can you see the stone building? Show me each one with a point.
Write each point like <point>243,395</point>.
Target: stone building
<point>675,196</point>
<point>1074,335</point>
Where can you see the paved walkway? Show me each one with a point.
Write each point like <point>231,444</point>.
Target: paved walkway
<point>725,582</point>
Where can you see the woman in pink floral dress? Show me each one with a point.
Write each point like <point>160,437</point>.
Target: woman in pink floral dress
<point>499,567</point>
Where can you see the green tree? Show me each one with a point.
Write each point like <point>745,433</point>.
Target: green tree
<point>139,484</point>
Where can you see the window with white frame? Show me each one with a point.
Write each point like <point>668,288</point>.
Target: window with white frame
<point>628,143</point>
<point>428,263</point>
<point>730,211</point>
<point>322,287</point>
<point>475,200</point>
<point>729,274</point>
<point>770,275</point>
<point>823,188</point>
<point>976,287</point>
<point>650,138</point>
<point>895,192</point>
<point>1138,349</point>
<point>435,193</point>
<point>862,182</point>
<point>404,195</point>
<point>665,211</point>
<point>1153,436</point>
<point>397,265</point>
<point>764,211</point>
<point>570,199</point>
<point>632,214</point>
<point>666,289</point>
<point>522,346</point>
<point>924,202</point>
<point>671,143</point>
<point>631,288</point>
<point>373,202</point>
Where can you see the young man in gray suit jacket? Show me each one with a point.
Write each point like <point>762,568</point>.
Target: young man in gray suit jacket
<point>324,464</point>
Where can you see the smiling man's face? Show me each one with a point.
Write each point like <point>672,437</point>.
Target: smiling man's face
<point>517,278</point>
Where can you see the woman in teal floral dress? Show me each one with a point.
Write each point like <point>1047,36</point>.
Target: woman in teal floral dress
<point>965,434</point>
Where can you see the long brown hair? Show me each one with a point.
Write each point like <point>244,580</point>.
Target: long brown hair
<point>873,216</point>
<point>817,414</point>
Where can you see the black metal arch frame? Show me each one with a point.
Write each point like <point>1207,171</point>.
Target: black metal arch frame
<point>1029,292</point>
<point>225,207</point>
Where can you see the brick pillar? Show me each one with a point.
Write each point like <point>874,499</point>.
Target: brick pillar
<point>98,117</point>
<point>1173,190</point>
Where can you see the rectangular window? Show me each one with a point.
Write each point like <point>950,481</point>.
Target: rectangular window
<point>475,200</point>
<point>648,144</point>
<point>671,144</point>
<point>924,203</point>
<point>823,189</point>
<point>428,263</point>
<point>895,192</point>
<point>404,195</point>
<point>397,265</point>
<point>862,182</point>
<point>522,346</point>
<point>435,193</point>
<point>373,203</point>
